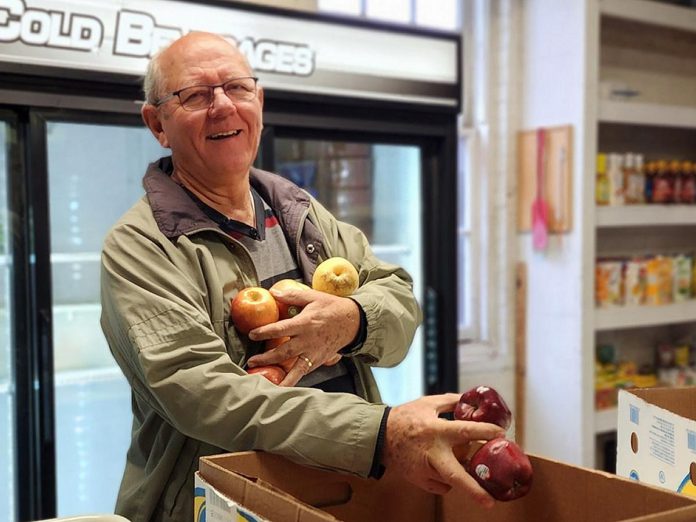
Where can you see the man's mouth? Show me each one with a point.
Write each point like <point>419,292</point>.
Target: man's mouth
<point>224,135</point>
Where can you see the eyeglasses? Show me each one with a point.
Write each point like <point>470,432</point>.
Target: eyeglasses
<point>199,97</point>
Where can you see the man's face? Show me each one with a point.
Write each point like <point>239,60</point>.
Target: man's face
<point>212,143</point>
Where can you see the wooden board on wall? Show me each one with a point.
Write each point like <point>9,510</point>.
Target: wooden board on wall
<point>558,177</point>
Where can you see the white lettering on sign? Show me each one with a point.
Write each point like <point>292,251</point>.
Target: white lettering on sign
<point>280,57</point>
<point>137,34</point>
<point>79,32</point>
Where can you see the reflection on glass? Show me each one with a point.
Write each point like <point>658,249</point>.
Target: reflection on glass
<point>376,188</point>
<point>6,394</point>
<point>95,174</point>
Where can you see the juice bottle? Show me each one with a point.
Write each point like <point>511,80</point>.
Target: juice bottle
<point>602,181</point>
<point>615,175</point>
<point>662,186</point>
<point>688,188</point>
<point>675,173</point>
<point>650,172</point>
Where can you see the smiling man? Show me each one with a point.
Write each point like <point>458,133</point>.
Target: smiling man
<point>210,225</point>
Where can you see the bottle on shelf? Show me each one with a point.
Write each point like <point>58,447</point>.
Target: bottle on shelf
<point>634,179</point>
<point>675,173</point>
<point>602,181</point>
<point>616,178</point>
<point>688,187</point>
<point>663,184</point>
<point>650,173</point>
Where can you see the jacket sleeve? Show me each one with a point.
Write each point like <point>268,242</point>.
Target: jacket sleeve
<point>385,292</point>
<point>154,318</point>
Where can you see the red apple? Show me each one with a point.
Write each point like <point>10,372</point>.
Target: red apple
<point>483,404</point>
<point>273,373</point>
<point>287,311</point>
<point>253,307</point>
<point>501,468</point>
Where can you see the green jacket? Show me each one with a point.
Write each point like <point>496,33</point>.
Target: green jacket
<point>168,275</point>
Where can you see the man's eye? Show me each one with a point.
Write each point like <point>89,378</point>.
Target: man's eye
<point>195,96</point>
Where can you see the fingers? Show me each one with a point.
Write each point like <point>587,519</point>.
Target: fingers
<point>302,367</point>
<point>459,431</point>
<point>436,487</point>
<point>444,402</point>
<point>295,296</point>
<point>283,328</point>
<point>274,356</point>
<point>453,474</point>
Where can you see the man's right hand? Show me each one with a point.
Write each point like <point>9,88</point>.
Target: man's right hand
<point>419,446</point>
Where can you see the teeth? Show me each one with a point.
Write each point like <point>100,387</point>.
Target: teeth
<point>224,134</point>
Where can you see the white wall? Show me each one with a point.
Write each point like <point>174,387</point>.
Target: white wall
<point>552,89</point>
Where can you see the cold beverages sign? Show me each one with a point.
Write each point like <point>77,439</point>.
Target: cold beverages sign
<point>84,37</point>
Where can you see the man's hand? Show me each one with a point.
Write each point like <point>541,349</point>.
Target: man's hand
<point>420,446</point>
<point>326,324</point>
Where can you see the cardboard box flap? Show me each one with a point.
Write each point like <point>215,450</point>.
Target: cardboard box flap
<point>685,514</point>
<point>255,494</point>
<point>561,493</point>
<point>339,494</point>
<point>681,401</point>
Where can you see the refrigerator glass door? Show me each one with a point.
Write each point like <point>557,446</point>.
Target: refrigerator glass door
<point>95,174</point>
<point>375,187</point>
<point>7,473</point>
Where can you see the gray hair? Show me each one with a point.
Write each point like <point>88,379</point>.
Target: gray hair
<point>153,80</point>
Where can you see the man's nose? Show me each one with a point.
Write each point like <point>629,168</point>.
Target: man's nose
<point>221,101</point>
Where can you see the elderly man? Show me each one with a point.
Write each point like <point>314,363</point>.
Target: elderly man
<point>210,225</point>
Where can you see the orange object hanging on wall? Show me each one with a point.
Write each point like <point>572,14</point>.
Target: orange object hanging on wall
<point>556,189</point>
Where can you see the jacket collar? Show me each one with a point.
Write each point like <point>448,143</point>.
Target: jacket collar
<point>177,214</point>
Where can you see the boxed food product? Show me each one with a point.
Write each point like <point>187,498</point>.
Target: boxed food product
<point>656,437</point>
<point>274,489</point>
<point>609,283</point>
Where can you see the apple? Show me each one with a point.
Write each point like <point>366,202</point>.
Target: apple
<point>287,311</point>
<point>501,468</point>
<point>253,307</point>
<point>336,276</point>
<point>483,404</point>
<point>273,373</point>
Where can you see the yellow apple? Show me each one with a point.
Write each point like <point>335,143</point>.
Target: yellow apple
<point>336,276</point>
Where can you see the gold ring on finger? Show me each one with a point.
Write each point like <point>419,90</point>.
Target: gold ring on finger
<point>307,360</point>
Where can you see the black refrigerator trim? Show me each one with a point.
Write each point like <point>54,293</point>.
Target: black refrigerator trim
<point>32,328</point>
<point>436,134</point>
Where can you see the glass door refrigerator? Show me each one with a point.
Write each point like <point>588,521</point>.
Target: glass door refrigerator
<point>375,187</point>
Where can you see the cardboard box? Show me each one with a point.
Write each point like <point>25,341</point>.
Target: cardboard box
<point>281,491</point>
<point>656,437</point>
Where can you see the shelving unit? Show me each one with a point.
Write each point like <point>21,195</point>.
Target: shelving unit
<point>645,215</point>
<point>572,77</point>
<point>642,316</point>
<point>649,47</point>
<point>637,113</point>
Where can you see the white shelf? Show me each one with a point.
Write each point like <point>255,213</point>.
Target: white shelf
<point>75,257</point>
<point>605,420</point>
<point>639,316</point>
<point>672,16</point>
<point>646,215</point>
<point>636,113</point>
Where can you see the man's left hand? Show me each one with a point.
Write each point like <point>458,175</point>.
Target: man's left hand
<point>326,324</point>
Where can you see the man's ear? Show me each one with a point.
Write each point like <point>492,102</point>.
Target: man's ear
<point>259,95</point>
<point>151,117</point>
